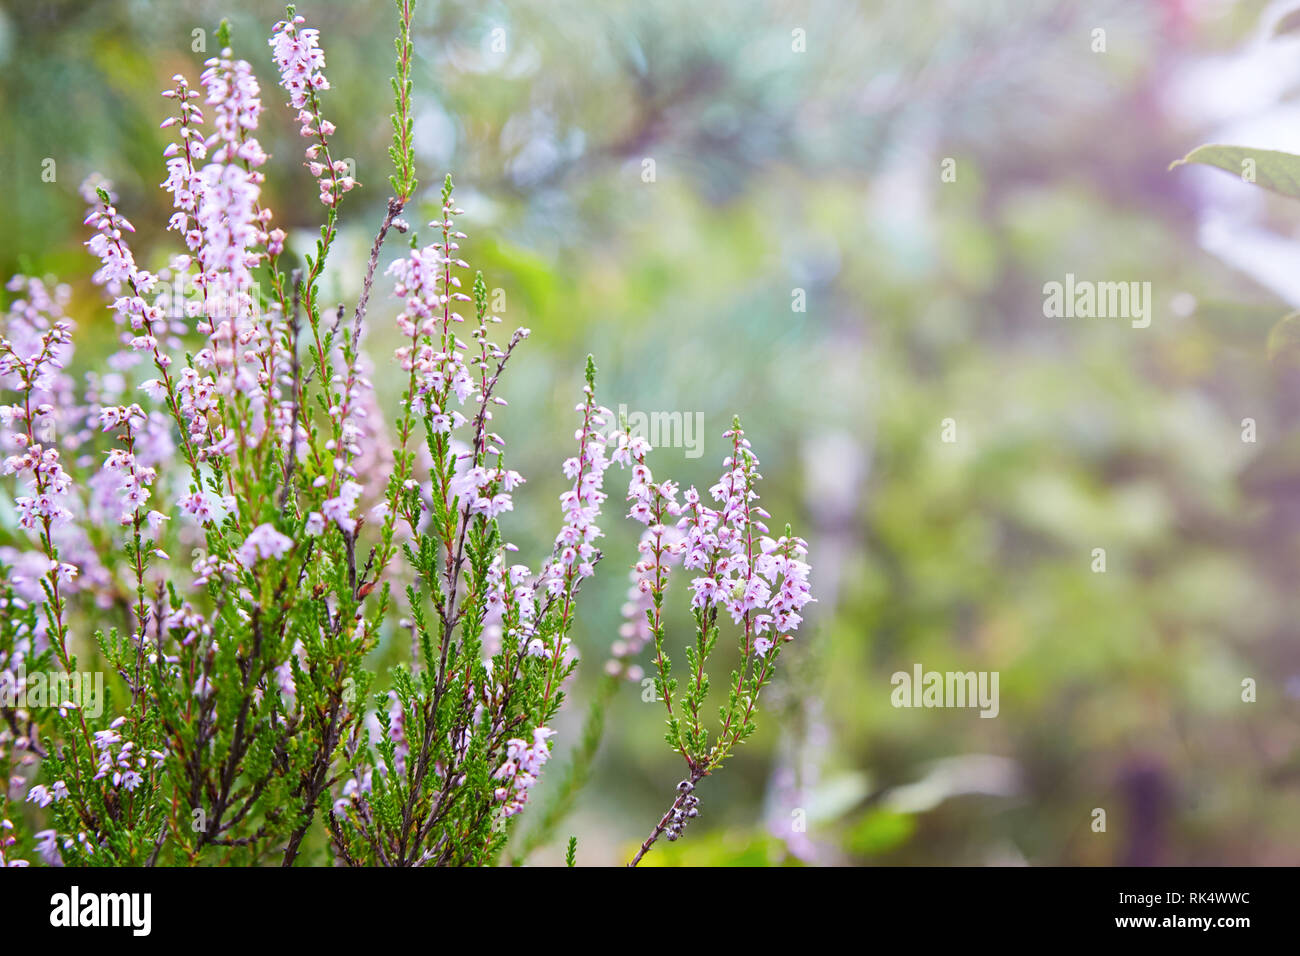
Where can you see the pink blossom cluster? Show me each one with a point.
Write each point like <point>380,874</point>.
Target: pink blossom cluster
<point>397,732</point>
<point>32,371</point>
<point>35,348</point>
<point>264,543</point>
<point>575,549</point>
<point>43,796</point>
<point>51,487</point>
<point>339,508</point>
<point>183,162</point>
<point>122,278</point>
<point>766,591</point>
<point>232,223</point>
<point>301,62</point>
<point>486,491</point>
<point>118,760</point>
<point>425,281</point>
<point>662,545</point>
<point>522,766</point>
<point>240,409</point>
<point>511,604</point>
<point>225,227</point>
<point>205,507</point>
<point>39,341</point>
<point>235,97</point>
<point>130,479</point>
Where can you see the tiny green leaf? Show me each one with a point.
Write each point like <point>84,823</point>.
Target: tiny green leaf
<point>1274,170</point>
<point>1284,339</point>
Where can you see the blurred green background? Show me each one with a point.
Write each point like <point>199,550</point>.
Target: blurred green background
<point>779,170</point>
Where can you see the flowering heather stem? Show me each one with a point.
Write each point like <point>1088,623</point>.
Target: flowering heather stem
<point>249,703</point>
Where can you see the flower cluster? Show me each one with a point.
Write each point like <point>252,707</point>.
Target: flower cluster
<point>761,582</point>
<point>43,796</point>
<point>721,544</point>
<point>685,809</point>
<point>131,477</point>
<point>297,54</point>
<point>122,278</point>
<point>183,162</point>
<point>575,549</point>
<point>30,363</point>
<point>236,427</point>
<point>300,60</point>
<point>522,766</point>
<point>662,544</point>
<point>264,543</point>
<point>434,359</point>
<point>119,760</point>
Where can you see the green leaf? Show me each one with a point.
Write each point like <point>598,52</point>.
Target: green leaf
<point>1274,170</point>
<point>881,831</point>
<point>1284,339</point>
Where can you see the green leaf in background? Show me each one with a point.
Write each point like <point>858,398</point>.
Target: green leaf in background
<point>1269,168</point>
<point>881,831</point>
<point>1284,340</point>
<point>723,848</point>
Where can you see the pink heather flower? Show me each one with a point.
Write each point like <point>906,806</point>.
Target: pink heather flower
<point>522,766</point>
<point>775,580</point>
<point>155,389</point>
<point>761,581</point>
<point>705,589</point>
<point>117,758</point>
<point>122,279</point>
<point>183,163</point>
<point>234,96</point>
<point>47,845</point>
<point>433,353</point>
<point>228,217</point>
<point>511,603</point>
<point>300,60</point>
<point>397,732</point>
<point>264,542</point>
<point>575,552</point>
<point>339,509</point>
<point>50,484</point>
<point>661,546</point>
<point>203,506</point>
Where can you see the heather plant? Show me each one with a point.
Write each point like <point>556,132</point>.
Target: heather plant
<point>218,519</point>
